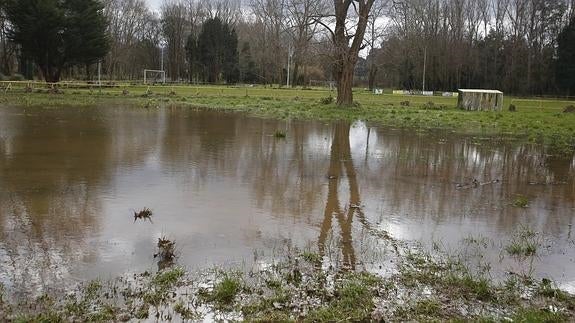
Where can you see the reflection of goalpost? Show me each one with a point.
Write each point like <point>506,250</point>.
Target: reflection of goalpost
<point>157,73</point>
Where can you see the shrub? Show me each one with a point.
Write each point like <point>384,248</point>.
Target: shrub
<point>327,100</point>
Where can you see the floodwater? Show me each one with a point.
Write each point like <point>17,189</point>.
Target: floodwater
<point>228,192</point>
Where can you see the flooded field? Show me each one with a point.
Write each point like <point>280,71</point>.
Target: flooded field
<point>230,189</point>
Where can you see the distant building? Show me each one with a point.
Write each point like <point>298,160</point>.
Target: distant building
<point>480,100</point>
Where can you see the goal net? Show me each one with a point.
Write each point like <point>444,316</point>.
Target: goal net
<point>154,76</point>
<point>317,83</point>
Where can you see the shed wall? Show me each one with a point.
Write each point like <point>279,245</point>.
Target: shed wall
<point>480,101</point>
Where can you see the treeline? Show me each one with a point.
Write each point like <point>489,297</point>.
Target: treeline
<point>511,45</point>
<point>264,32</point>
<point>519,46</point>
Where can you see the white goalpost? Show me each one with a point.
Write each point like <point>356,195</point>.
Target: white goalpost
<point>157,74</point>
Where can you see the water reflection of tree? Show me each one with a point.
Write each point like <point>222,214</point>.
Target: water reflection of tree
<point>52,179</point>
<point>418,175</point>
<point>340,168</point>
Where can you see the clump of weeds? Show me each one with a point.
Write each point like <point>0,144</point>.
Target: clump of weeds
<point>327,100</point>
<point>143,214</point>
<point>224,291</point>
<point>280,134</point>
<point>166,252</point>
<point>524,243</point>
<point>521,202</point>
<point>569,109</point>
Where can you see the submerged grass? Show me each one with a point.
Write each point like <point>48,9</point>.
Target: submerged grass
<point>426,288</point>
<point>524,243</point>
<point>521,202</point>
<point>353,300</point>
<point>536,121</point>
<point>224,291</point>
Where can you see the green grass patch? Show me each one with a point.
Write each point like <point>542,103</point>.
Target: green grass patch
<point>168,278</point>
<point>280,134</point>
<point>521,202</point>
<point>530,315</point>
<point>224,292</point>
<point>353,301</point>
<point>525,243</point>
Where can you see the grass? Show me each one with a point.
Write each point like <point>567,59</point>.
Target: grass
<point>536,121</point>
<point>524,243</point>
<point>452,293</point>
<point>280,134</point>
<point>521,202</point>
<point>530,315</point>
<point>185,312</point>
<point>312,257</point>
<point>422,311</point>
<point>224,291</point>
<point>353,301</point>
<point>169,278</point>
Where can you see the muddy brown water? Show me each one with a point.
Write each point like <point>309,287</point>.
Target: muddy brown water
<point>228,191</point>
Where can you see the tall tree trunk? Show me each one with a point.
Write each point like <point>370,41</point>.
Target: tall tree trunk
<point>51,73</point>
<point>88,72</point>
<point>372,75</point>
<point>345,85</point>
<point>346,55</point>
<point>295,79</point>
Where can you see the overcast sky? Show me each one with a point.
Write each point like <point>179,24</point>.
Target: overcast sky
<point>154,4</point>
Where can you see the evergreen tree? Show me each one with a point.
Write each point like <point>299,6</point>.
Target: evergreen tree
<point>58,34</point>
<point>248,72</point>
<point>193,57</point>
<point>218,51</point>
<point>566,59</point>
<point>231,57</point>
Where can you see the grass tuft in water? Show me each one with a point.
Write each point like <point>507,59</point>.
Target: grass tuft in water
<point>521,202</point>
<point>143,214</point>
<point>185,312</point>
<point>525,243</point>
<point>224,291</point>
<point>280,134</point>
<point>353,301</point>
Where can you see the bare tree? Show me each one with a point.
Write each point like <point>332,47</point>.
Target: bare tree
<point>270,19</point>
<point>135,34</point>
<point>302,28</point>
<point>376,28</point>
<point>348,41</point>
<point>175,28</point>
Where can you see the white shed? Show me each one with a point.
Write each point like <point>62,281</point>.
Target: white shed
<point>480,100</point>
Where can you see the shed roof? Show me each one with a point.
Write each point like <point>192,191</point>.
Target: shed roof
<point>480,91</point>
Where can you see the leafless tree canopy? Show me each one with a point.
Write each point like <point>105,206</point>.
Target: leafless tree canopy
<point>505,44</point>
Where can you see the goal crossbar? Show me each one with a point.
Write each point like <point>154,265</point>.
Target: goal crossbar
<point>163,73</point>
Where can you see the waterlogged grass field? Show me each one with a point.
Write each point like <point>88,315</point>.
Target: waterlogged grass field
<point>303,286</point>
<point>541,121</point>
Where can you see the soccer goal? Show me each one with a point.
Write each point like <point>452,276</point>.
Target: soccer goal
<point>154,76</point>
<point>328,84</point>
